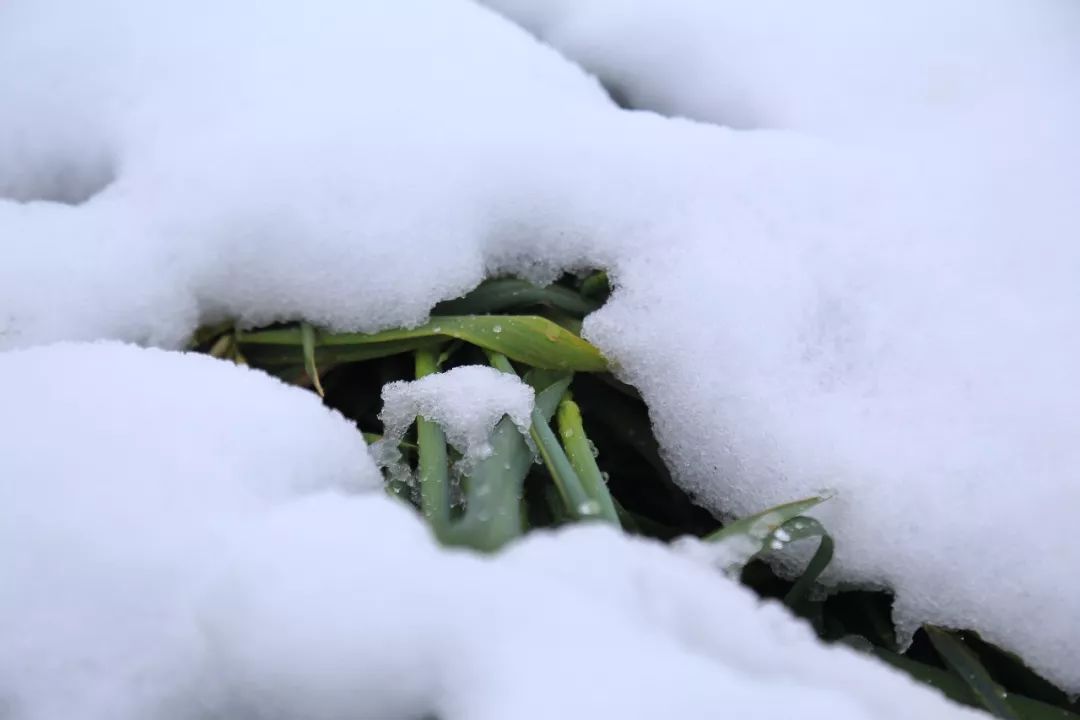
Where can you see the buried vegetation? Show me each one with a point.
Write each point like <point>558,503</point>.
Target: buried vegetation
<point>591,457</point>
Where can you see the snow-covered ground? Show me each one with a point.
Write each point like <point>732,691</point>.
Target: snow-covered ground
<point>869,287</point>
<point>183,538</point>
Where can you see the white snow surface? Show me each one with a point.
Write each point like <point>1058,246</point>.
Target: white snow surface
<point>186,539</point>
<point>869,296</point>
<point>904,338</point>
<point>847,69</point>
<point>124,472</point>
<point>466,402</point>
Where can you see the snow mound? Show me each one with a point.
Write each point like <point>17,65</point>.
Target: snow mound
<point>903,339</point>
<point>613,625</point>
<point>180,540</point>
<point>123,472</point>
<point>466,402</point>
<point>848,69</point>
<point>885,311</point>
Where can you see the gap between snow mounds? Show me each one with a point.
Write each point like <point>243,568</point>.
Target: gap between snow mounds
<point>486,509</point>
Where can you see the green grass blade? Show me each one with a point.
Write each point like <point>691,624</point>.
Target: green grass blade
<point>433,464</point>
<point>502,294</point>
<point>956,689</point>
<point>547,399</point>
<point>747,537</point>
<point>535,341</point>
<point>494,490</point>
<point>307,341</point>
<point>762,525</point>
<point>276,355</point>
<point>991,696</point>
<point>953,688</point>
<point>207,334</point>
<point>596,287</point>
<point>573,493</point>
<point>580,454</point>
<point>802,528</point>
<point>403,445</point>
<point>222,347</point>
<point>578,502</point>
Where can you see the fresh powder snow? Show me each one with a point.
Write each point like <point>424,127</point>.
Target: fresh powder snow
<point>918,362</point>
<point>185,539</point>
<point>466,402</point>
<point>857,292</point>
<point>124,474</point>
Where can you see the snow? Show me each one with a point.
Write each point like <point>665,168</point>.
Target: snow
<point>124,472</point>
<point>847,69</point>
<point>466,402</point>
<point>184,538</point>
<point>875,295</point>
<point>912,354</point>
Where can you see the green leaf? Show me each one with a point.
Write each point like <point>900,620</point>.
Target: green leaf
<point>802,528</point>
<point>943,680</point>
<point>580,454</point>
<point>207,334</point>
<point>502,294</point>
<point>433,463</point>
<point>956,689</point>
<point>307,341</point>
<point>573,493</point>
<point>547,399</point>
<point>494,490</point>
<point>749,536</point>
<point>372,438</point>
<point>968,668</point>
<point>596,287</point>
<point>529,339</point>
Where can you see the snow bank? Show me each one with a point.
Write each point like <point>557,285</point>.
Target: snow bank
<point>123,473</point>
<point>906,340</point>
<point>466,402</point>
<point>579,624</point>
<point>892,318</point>
<point>848,69</point>
<point>182,538</point>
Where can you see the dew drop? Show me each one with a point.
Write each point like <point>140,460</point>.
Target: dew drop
<point>589,507</point>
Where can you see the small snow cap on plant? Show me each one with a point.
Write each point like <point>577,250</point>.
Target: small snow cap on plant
<point>466,402</point>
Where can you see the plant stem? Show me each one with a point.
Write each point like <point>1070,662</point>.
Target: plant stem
<point>434,473</point>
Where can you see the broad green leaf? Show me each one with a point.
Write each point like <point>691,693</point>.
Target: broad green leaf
<point>494,490</point>
<point>529,339</point>
<point>289,355</point>
<point>502,294</point>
